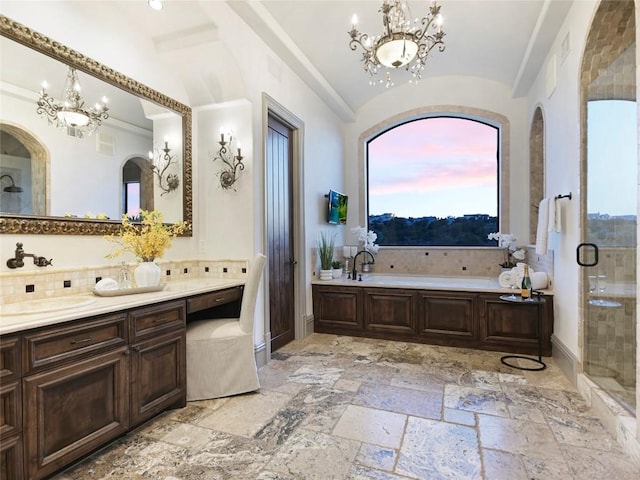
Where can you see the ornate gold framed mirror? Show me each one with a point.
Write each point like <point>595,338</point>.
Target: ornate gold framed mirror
<point>58,205</point>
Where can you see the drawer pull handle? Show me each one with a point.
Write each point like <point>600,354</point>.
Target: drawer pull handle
<point>158,320</point>
<point>84,340</point>
<point>219,299</point>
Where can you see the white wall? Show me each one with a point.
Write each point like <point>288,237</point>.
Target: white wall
<point>561,113</point>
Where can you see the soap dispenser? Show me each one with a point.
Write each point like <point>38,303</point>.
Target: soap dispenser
<point>124,277</point>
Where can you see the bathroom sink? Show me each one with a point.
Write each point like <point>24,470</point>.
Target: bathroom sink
<point>45,305</point>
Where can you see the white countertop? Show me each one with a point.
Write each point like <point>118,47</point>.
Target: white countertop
<point>96,305</point>
<point>425,282</point>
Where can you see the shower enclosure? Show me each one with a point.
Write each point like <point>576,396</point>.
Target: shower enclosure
<point>609,214</point>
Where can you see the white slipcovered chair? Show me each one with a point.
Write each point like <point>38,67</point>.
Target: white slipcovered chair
<point>220,352</point>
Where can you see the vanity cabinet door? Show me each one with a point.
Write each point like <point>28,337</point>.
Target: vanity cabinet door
<point>513,327</point>
<point>70,411</point>
<point>389,311</point>
<point>10,408</point>
<point>337,309</point>
<point>448,318</point>
<point>158,375</point>
<point>11,458</point>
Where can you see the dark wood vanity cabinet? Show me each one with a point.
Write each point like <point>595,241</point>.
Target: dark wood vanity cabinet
<point>158,360</point>
<point>11,457</point>
<point>69,389</point>
<point>450,318</point>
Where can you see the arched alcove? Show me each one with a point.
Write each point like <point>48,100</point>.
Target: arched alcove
<point>16,141</point>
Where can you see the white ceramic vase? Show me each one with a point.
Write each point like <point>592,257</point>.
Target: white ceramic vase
<point>326,274</point>
<point>336,273</point>
<point>147,274</point>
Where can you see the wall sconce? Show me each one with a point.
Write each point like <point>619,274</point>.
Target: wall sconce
<point>13,188</point>
<point>159,164</point>
<point>228,175</point>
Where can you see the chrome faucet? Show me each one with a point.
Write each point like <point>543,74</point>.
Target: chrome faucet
<point>18,260</point>
<point>354,272</point>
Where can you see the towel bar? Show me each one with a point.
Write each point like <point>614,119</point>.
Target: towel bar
<point>564,196</point>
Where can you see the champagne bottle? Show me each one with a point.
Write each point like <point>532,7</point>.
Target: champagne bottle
<point>526,283</point>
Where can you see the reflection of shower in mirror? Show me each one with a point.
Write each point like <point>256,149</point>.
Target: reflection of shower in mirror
<point>13,188</point>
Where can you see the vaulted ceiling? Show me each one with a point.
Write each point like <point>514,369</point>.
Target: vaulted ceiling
<point>501,40</point>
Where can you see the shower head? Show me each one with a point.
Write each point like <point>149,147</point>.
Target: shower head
<point>13,188</point>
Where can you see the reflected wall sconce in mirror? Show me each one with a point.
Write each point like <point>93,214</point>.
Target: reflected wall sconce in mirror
<point>13,188</point>
<point>228,175</point>
<point>70,113</point>
<point>159,164</point>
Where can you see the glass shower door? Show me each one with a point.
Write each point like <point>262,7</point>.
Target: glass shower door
<point>611,226</point>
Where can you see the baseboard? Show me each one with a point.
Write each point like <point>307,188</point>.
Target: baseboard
<point>565,360</point>
<point>309,324</point>
<point>260,352</point>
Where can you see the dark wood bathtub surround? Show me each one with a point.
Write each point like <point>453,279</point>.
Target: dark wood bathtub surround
<point>450,318</point>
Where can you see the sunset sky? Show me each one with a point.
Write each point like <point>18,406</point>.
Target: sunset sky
<point>434,167</point>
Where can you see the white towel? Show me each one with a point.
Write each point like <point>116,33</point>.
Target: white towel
<point>551,215</point>
<point>542,232</point>
<point>555,217</point>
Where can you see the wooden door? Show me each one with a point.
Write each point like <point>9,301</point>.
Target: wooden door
<point>280,233</point>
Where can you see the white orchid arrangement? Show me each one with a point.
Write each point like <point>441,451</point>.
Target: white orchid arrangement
<point>507,241</point>
<point>368,238</point>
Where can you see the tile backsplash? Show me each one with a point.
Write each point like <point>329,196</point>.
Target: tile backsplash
<point>453,261</point>
<point>22,286</point>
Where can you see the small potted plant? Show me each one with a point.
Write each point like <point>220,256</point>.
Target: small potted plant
<point>326,245</point>
<point>337,269</point>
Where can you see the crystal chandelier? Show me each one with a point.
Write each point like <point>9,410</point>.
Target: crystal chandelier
<point>403,43</point>
<point>70,113</point>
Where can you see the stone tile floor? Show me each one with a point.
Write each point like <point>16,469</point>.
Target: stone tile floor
<point>350,408</point>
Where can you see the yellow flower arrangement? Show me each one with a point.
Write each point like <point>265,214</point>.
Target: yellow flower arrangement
<point>146,241</point>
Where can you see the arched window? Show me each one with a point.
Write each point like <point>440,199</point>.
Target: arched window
<point>434,181</point>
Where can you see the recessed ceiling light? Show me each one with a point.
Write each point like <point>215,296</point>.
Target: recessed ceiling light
<point>156,4</point>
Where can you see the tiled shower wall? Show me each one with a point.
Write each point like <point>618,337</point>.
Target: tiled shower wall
<point>21,286</point>
<point>611,349</point>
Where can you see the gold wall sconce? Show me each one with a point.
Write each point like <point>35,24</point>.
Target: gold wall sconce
<point>232,163</point>
<point>159,163</point>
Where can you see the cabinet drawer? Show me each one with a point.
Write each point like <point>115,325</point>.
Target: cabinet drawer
<point>64,343</point>
<point>213,299</point>
<point>157,319</point>
<point>10,358</point>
